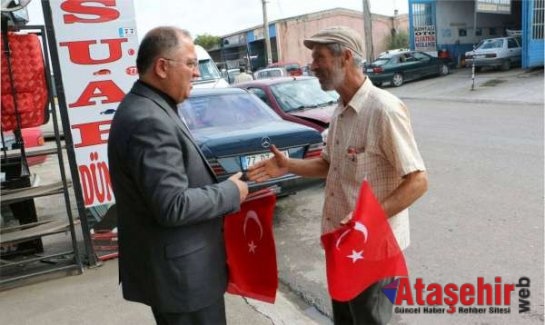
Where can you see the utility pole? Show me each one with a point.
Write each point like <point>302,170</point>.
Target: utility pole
<point>368,32</point>
<point>474,45</point>
<point>266,32</point>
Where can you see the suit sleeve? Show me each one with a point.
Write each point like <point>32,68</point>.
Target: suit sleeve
<point>157,164</point>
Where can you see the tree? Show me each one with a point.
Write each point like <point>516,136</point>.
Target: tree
<point>208,41</point>
<point>399,40</point>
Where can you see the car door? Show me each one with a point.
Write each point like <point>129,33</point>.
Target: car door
<point>514,50</point>
<point>413,68</point>
<point>427,65</point>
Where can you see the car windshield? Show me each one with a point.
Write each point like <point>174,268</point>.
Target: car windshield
<point>220,110</point>
<point>301,94</point>
<point>491,44</point>
<point>208,71</point>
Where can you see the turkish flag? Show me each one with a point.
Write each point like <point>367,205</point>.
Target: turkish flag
<point>363,251</point>
<point>251,254</point>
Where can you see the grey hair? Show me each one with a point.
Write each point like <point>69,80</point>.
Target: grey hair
<point>337,49</point>
<point>158,41</point>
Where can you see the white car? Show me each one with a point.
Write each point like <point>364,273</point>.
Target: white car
<point>271,73</point>
<point>501,52</point>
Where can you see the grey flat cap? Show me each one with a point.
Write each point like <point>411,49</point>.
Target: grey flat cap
<point>342,35</point>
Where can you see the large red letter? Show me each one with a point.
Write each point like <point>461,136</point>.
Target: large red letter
<point>404,292</point>
<point>105,88</point>
<point>80,54</point>
<point>79,7</point>
<point>91,133</point>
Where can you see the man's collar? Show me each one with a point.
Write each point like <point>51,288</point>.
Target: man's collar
<point>171,102</point>
<point>360,95</point>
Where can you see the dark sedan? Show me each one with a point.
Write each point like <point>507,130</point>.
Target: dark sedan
<point>296,99</point>
<point>235,129</point>
<point>396,67</point>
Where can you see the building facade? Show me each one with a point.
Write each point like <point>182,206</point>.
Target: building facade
<point>286,35</point>
<point>455,26</point>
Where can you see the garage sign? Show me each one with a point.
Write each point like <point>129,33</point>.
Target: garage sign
<point>425,39</point>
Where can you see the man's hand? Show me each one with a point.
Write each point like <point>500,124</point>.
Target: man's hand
<point>346,219</point>
<point>270,168</point>
<point>242,186</point>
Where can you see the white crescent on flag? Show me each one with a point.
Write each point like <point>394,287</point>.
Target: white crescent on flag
<point>361,228</point>
<point>358,226</point>
<point>252,215</point>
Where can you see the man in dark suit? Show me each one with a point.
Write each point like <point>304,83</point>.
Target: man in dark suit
<point>169,203</point>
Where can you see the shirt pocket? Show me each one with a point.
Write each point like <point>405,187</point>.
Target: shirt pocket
<point>355,161</point>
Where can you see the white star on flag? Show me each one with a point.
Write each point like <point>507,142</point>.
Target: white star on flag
<point>356,256</point>
<point>252,247</point>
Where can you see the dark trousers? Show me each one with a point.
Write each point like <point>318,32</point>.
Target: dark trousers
<point>369,307</point>
<point>211,315</point>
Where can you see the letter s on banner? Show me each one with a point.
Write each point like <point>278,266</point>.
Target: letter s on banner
<point>103,14</point>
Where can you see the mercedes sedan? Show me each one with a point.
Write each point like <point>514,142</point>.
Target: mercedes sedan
<point>235,129</point>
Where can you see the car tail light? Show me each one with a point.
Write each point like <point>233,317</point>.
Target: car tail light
<point>313,151</point>
<point>377,69</point>
<point>491,55</point>
<point>216,167</point>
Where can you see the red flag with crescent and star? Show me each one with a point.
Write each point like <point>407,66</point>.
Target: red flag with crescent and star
<point>251,253</point>
<point>363,251</point>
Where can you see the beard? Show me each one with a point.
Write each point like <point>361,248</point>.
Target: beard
<point>332,80</point>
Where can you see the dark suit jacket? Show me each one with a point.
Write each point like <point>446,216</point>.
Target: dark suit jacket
<point>170,207</point>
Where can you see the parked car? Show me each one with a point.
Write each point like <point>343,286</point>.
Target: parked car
<point>230,75</point>
<point>32,138</point>
<point>234,130</point>
<point>397,67</point>
<point>296,99</point>
<point>501,52</point>
<point>293,68</point>
<point>210,76</point>
<point>271,73</point>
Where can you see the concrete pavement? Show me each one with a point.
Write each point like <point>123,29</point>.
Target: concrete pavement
<point>95,298</point>
<point>515,86</point>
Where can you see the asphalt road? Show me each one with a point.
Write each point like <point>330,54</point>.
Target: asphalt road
<point>482,216</point>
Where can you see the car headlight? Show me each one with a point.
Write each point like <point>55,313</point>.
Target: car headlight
<point>324,135</point>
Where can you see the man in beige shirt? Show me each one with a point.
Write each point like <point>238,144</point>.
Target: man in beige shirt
<point>370,137</point>
<point>243,76</point>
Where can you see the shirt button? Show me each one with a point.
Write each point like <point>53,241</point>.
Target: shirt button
<point>341,116</point>
<point>327,219</point>
<point>337,142</point>
<point>332,194</point>
<point>334,168</point>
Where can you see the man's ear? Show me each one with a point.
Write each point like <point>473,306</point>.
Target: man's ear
<point>160,68</point>
<point>348,56</point>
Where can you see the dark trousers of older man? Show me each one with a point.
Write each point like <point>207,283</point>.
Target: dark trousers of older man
<point>369,307</point>
<point>211,315</point>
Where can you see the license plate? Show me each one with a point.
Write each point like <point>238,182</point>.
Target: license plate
<point>369,70</point>
<point>248,161</point>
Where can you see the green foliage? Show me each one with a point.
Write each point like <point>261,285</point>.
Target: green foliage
<point>398,40</point>
<point>208,41</point>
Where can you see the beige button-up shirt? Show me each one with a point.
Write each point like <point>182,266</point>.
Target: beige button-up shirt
<point>371,137</point>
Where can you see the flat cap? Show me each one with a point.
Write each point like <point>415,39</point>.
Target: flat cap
<point>341,35</point>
